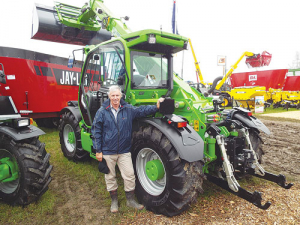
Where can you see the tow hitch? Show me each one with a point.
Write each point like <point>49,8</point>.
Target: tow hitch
<point>278,179</point>
<point>255,197</point>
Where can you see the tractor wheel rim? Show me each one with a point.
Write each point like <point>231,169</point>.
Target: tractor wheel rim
<point>155,187</point>
<point>70,145</point>
<point>8,187</point>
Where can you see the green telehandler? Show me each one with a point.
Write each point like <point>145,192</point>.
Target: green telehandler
<point>190,139</point>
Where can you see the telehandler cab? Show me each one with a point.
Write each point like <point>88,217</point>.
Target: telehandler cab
<point>191,138</point>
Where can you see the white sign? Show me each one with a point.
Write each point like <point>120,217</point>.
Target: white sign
<point>259,104</point>
<point>252,77</point>
<point>221,60</point>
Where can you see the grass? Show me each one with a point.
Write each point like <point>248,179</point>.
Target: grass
<point>278,110</point>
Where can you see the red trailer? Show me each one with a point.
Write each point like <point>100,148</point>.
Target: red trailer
<point>39,84</point>
<point>292,83</point>
<point>268,78</point>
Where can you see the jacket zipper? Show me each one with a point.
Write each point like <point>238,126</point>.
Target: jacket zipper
<point>116,120</point>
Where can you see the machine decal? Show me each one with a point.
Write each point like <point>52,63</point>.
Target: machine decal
<point>252,77</point>
<point>66,77</point>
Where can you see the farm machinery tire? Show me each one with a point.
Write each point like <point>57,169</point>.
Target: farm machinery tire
<point>70,138</point>
<point>179,181</point>
<point>31,162</point>
<point>256,144</point>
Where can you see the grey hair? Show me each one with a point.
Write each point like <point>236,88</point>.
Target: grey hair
<point>114,88</point>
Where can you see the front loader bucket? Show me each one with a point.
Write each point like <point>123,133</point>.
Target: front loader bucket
<point>46,26</point>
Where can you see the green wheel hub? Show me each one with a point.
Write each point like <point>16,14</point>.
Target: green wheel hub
<point>71,137</point>
<point>155,170</point>
<point>8,170</point>
<point>146,159</point>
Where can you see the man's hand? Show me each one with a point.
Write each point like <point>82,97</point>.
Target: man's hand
<point>99,156</point>
<point>159,101</point>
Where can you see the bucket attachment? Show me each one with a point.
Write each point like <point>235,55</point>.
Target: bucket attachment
<point>47,26</point>
<point>258,60</point>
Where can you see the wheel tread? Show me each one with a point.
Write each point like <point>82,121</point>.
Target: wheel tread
<point>34,169</point>
<point>183,180</point>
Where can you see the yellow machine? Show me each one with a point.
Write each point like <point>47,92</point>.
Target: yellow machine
<point>245,96</point>
<point>198,71</point>
<point>285,99</point>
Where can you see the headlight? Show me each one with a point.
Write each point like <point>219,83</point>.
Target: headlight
<point>22,122</point>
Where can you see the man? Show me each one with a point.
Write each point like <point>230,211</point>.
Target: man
<point>111,130</point>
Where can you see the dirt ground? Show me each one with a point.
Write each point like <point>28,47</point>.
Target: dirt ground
<point>281,149</point>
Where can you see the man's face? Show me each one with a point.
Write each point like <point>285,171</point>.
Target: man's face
<point>115,98</point>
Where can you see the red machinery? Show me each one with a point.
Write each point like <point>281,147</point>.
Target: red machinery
<point>40,84</point>
<point>267,78</point>
<point>292,83</point>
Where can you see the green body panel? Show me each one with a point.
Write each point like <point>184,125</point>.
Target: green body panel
<point>163,38</point>
<point>234,133</point>
<point>224,131</point>
<point>209,152</point>
<point>86,140</point>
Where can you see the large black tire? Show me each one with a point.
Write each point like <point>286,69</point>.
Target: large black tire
<point>71,147</point>
<point>256,144</point>
<point>34,170</point>
<point>181,183</point>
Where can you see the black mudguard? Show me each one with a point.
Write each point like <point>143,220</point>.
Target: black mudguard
<point>251,122</point>
<point>187,141</point>
<point>74,110</point>
<point>23,133</point>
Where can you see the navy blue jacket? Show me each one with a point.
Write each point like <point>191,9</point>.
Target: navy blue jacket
<point>111,137</point>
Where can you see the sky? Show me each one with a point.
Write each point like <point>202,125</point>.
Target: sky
<point>215,27</point>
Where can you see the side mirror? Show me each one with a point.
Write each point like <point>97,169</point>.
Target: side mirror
<point>96,57</point>
<point>2,75</point>
<point>120,80</point>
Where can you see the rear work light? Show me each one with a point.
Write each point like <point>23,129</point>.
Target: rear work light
<point>178,124</point>
<point>181,124</point>
<point>175,121</point>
